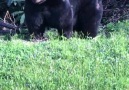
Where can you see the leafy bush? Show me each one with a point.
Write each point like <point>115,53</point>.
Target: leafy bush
<point>115,10</point>
<point>15,7</point>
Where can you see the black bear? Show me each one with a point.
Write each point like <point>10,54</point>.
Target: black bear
<point>64,15</point>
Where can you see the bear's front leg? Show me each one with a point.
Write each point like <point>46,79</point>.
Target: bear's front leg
<point>35,24</point>
<point>66,23</point>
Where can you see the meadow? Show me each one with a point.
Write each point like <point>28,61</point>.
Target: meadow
<point>101,63</point>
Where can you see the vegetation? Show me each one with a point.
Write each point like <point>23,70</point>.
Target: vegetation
<point>101,63</point>
<point>115,10</point>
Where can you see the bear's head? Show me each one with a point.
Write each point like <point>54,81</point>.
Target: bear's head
<point>38,1</point>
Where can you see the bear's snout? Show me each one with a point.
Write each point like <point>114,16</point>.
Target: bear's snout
<point>38,1</point>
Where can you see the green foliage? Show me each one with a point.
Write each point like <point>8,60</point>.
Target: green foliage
<point>9,2</point>
<point>74,64</point>
<point>15,7</point>
<point>124,25</point>
<point>18,12</point>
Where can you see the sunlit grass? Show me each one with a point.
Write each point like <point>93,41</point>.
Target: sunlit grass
<point>75,64</point>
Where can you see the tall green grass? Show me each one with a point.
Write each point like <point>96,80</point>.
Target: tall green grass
<point>75,64</point>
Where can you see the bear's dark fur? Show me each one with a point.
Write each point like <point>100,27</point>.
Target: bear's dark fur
<point>64,15</point>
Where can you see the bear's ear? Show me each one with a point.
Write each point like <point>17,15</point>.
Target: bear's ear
<point>38,1</point>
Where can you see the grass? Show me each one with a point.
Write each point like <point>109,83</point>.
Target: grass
<point>76,64</point>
